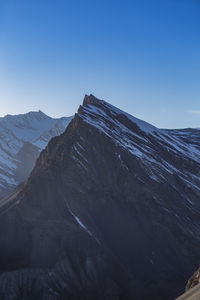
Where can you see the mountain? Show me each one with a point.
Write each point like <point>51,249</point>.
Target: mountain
<point>111,210</point>
<point>22,137</point>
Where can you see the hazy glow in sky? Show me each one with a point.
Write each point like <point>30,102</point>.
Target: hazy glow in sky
<point>141,55</point>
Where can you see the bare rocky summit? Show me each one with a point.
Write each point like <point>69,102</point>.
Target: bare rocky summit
<point>110,211</point>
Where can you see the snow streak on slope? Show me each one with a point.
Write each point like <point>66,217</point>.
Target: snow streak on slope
<point>114,177</point>
<point>37,129</point>
<point>154,147</point>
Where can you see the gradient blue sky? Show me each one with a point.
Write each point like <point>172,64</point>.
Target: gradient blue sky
<point>140,55</point>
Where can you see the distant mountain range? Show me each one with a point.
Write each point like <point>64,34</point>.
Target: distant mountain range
<point>110,211</point>
<point>22,137</point>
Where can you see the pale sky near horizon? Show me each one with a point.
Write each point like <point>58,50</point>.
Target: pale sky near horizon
<point>142,56</point>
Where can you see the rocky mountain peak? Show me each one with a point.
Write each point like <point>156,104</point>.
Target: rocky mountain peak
<point>91,99</point>
<point>37,115</point>
<point>129,188</point>
<point>35,128</point>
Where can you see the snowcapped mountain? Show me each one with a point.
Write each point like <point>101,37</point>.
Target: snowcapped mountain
<point>22,137</point>
<point>116,201</point>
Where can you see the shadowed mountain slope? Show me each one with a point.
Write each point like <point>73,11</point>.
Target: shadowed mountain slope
<point>22,137</point>
<point>112,206</point>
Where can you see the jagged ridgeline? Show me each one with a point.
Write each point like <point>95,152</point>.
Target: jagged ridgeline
<point>22,137</point>
<point>110,211</point>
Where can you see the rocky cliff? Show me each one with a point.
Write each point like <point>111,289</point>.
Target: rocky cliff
<point>110,211</point>
<point>22,137</point>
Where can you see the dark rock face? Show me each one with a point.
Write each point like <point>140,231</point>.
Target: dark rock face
<point>26,158</point>
<point>22,137</point>
<point>111,207</point>
<point>194,280</point>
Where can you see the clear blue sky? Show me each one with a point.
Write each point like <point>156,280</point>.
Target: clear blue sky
<point>141,55</point>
